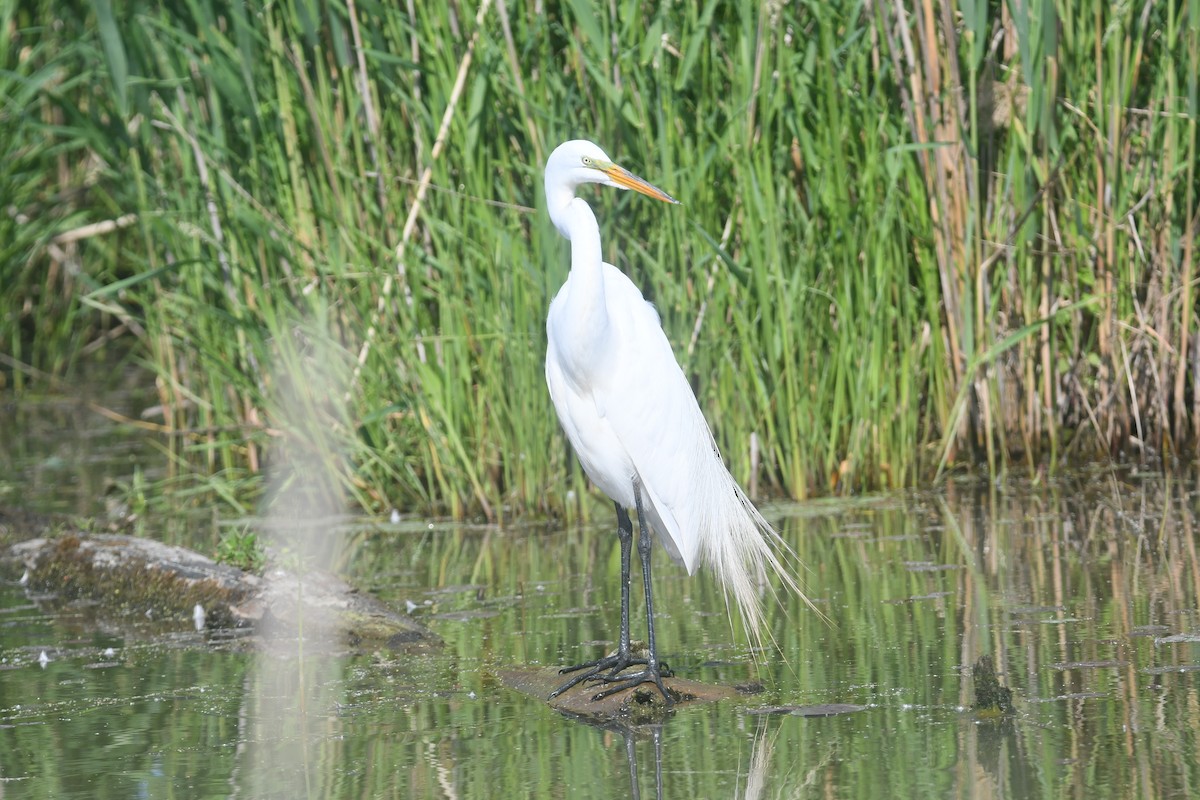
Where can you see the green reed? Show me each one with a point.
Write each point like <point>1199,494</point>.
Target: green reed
<point>914,237</point>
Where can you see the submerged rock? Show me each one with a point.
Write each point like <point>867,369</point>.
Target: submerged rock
<point>991,698</point>
<point>130,575</point>
<point>819,710</point>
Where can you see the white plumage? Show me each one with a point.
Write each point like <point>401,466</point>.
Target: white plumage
<point>629,411</point>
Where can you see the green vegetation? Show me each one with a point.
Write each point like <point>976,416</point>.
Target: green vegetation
<point>914,235</point>
<point>242,549</point>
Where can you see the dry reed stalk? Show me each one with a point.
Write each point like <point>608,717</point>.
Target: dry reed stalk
<point>938,115</point>
<point>1185,326</point>
<point>364,91</point>
<point>414,210</point>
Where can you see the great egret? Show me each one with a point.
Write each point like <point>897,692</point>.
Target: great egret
<point>636,427</point>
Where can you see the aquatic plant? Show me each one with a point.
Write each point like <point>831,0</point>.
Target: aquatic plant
<point>917,236</point>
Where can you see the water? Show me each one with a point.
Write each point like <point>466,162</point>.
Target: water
<point>1084,591</point>
<point>61,453</point>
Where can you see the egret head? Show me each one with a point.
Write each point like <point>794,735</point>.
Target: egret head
<point>578,162</point>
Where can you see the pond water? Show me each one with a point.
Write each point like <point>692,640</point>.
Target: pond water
<point>1084,590</point>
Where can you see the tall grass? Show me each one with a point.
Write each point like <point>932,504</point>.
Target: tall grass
<point>915,236</point>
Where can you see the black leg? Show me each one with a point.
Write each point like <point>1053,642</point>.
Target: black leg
<point>624,656</point>
<point>658,784</point>
<point>625,534</point>
<point>654,672</point>
<point>631,756</point>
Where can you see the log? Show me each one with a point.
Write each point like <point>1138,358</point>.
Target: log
<point>127,575</point>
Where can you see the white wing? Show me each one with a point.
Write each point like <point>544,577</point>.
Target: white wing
<point>629,412</point>
<point>653,412</point>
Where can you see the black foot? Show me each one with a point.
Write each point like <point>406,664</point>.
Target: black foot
<point>631,679</point>
<point>614,663</point>
<point>609,669</point>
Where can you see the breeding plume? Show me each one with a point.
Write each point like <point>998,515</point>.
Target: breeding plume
<point>636,427</point>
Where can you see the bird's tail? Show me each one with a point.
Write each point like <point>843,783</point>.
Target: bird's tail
<point>742,548</point>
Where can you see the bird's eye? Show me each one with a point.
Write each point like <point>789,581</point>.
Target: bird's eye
<point>588,161</point>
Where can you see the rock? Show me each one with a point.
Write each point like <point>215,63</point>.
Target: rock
<point>638,704</point>
<point>991,698</point>
<point>130,575</point>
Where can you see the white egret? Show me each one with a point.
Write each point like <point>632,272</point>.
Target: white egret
<point>636,427</point>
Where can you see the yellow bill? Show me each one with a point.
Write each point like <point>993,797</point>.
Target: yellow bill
<point>627,179</point>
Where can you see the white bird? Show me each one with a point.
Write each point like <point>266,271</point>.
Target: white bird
<point>635,425</point>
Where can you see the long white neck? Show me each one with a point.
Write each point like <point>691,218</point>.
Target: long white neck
<point>574,219</point>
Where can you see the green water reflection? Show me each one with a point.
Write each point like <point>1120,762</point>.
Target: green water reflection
<point>1085,593</point>
<point>63,452</point>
